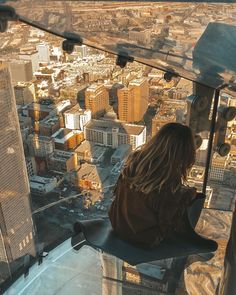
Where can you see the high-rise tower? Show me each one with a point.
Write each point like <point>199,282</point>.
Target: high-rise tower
<point>97,100</point>
<point>16,225</point>
<point>133,101</point>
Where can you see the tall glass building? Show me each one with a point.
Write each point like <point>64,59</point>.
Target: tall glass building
<point>16,225</point>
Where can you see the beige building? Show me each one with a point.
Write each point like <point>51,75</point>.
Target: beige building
<point>97,100</point>
<point>16,226</point>
<point>133,101</point>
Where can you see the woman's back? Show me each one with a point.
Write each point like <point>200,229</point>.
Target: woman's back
<point>150,200</point>
<point>148,218</point>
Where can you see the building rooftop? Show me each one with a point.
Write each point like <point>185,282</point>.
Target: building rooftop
<point>61,155</point>
<point>63,134</point>
<point>94,87</point>
<point>92,173</point>
<point>40,137</point>
<point>75,110</point>
<point>38,181</point>
<point>90,146</point>
<point>137,82</point>
<point>107,126</point>
<point>49,121</point>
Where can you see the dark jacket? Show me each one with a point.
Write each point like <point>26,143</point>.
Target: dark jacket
<point>146,219</point>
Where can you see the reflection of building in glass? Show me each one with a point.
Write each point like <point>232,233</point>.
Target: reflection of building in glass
<point>39,145</point>
<point>140,36</point>
<point>24,93</point>
<point>16,226</point>
<point>97,99</point>
<point>133,101</point>
<point>115,133</point>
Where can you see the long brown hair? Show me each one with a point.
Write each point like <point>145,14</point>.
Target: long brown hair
<point>163,162</point>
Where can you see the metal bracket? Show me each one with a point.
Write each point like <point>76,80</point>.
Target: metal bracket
<point>7,13</point>
<point>72,39</point>
<point>123,58</point>
<point>26,265</point>
<point>41,256</point>
<point>168,76</point>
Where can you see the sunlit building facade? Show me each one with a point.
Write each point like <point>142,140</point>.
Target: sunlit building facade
<point>97,100</point>
<point>133,101</point>
<point>16,225</point>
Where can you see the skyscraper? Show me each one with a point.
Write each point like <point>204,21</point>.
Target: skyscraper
<point>133,101</point>
<point>97,99</point>
<point>16,226</point>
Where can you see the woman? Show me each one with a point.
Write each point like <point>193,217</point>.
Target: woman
<point>150,195</point>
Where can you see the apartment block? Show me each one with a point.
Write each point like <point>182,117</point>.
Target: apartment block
<point>115,133</point>
<point>97,100</point>
<point>133,100</point>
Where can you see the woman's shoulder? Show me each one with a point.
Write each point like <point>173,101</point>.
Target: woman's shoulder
<point>187,194</point>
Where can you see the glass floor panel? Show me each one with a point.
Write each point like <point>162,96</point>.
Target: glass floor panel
<point>89,272</point>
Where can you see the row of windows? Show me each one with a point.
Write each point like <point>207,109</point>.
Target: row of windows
<point>25,241</point>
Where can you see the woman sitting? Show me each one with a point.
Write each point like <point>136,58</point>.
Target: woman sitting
<point>151,195</point>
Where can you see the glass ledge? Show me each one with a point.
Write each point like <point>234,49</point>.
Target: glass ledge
<point>87,271</point>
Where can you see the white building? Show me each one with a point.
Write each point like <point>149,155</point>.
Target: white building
<point>42,185</point>
<point>82,50</point>
<point>76,118</point>
<point>44,54</point>
<point>115,133</point>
